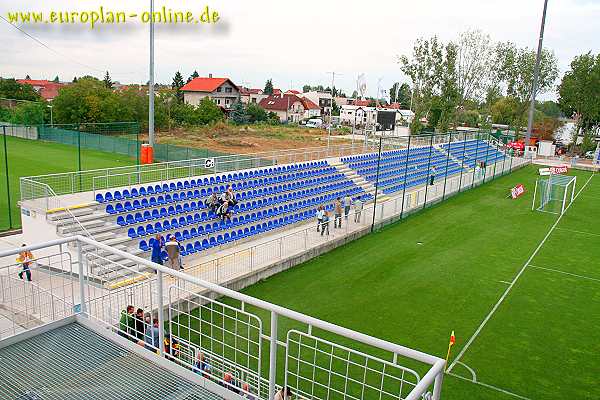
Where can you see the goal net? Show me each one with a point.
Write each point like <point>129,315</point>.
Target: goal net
<point>554,193</point>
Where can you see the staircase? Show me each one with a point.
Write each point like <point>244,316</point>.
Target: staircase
<point>358,180</point>
<point>91,221</point>
<point>448,154</point>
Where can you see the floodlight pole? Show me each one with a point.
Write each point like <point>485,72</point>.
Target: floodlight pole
<point>536,74</point>
<point>151,80</point>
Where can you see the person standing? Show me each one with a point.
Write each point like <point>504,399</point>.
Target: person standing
<point>432,176</point>
<point>157,246</point>
<point>320,213</point>
<point>127,322</point>
<point>173,253</point>
<point>140,328</point>
<point>325,223</point>
<point>25,258</point>
<point>337,222</point>
<point>347,205</point>
<point>152,336</point>
<point>358,206</point>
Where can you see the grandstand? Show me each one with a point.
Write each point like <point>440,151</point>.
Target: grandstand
<point>107,232</point>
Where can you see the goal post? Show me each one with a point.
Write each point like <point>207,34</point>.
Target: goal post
<point>554,193</point>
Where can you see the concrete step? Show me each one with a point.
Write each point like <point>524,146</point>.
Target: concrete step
<point>65,215</point>
<point>75,228</point>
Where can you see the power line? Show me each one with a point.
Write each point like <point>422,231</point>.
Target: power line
<point>38,41</point>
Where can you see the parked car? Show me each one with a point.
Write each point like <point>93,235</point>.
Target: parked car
<point>314,123</point>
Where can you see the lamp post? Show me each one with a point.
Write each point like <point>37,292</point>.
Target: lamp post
<point>536,73</point>
<point>151,80</point>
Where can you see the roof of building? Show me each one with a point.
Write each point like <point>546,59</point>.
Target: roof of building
<point>48,89</point>
<point>363,103</point>
<point>277,91</point>
<point>205,84</point>
<point>244,91</point>
<point>280,103</point>
<point>309,105</point>
<point>292,91</point>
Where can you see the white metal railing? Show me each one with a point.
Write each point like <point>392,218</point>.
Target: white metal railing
<point>232,335</point>
<point>89,180</point>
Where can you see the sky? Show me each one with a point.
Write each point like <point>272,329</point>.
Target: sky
<point>292,42</point>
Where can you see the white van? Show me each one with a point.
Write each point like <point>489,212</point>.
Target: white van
<point>314,123</point>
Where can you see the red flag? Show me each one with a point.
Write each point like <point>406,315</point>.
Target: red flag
<point>452,339</point>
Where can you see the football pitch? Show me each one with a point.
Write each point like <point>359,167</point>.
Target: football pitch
<point>520,288</point>
<point>33,157</point>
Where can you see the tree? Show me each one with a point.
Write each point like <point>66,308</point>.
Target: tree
<point>399,94</point>
<point>549,108</point>
<point>255,113</point>
<point>579,92</point>
<point>107,81</point>
<point>474,66</point>
<point>506,111</point>
<point>514,70</point>
<point>268,87</point>
<point>194,75</point>
<point>238,114</point>
<point>27,77</point>
<point>306,88</point>
<point>209,112</point>
<point>11,89</point>
<point>56,80</point>
<point>177,85</point>
<point>335,109</point>
<point>87,100</point>
<point>355,94</point>
<point>74,79</point>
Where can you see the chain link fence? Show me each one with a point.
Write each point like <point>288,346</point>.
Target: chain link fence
<point>24,151</point>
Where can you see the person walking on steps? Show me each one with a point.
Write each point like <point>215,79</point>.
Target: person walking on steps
<point>337,210</point>
<point>25,258</point>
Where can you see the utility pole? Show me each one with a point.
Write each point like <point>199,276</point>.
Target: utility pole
<point>333,73</point>
<point>536,74</point>
<point>151,80</point>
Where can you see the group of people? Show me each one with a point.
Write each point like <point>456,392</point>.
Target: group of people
<point>172,247</point>
<point>223,204</point>
<point>141,328</point>
<point>340,206</point>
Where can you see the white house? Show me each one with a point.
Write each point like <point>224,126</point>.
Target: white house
<point>221,90</point>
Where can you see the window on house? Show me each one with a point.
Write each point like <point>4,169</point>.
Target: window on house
<point>254,99</point>
<point>219,102</point>
<point>227,101</point>
<point>218,89</point>
<point>228,90</point>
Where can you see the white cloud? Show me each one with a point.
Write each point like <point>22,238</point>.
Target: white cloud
<point>295,42</point>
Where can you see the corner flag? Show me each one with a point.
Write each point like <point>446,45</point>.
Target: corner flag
<point>450,344</point>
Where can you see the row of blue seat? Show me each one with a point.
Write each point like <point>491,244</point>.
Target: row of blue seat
<point>227,237</point>
<point>273,222</point>
<point>160,200</point>
<point>163,212</point>
<point>415,179</point>
<point>413,150</point>
<point>396,165</point>
<point>192,183</point>
<point>418,174</point>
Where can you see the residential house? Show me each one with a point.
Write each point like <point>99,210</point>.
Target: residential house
<point>311,110</point>
<point>220,90</point>
<point>322,99</point>
<point>248,95</point>
<point>352,115</point>
<point>48,90</point>
<point>290,108</point>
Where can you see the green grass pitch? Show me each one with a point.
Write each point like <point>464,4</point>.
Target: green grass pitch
<point>446,267</point>
<point>31,157</point>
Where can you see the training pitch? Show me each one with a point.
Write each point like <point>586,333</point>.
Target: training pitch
<point>520,288</point>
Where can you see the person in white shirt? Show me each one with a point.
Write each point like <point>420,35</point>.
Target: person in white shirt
<point>358,206</point>
<point>347,205</point>
<point>320,213</point>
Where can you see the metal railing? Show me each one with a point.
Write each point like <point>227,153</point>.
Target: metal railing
<point>90,180</point>
<point>232,328</point>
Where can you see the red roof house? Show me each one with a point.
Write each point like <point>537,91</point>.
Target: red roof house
<point>47,89</point>
<point>221,90</point>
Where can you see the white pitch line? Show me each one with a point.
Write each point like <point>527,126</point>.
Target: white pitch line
<point>566,273</point>
<point>581,232</point>
<point>473,374</point>
<point>508,283</point>
<point>516,278</point>
<point>518,396</point>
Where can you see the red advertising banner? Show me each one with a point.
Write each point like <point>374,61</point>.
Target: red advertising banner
<point>517,191</point>
<point>562,169</point>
